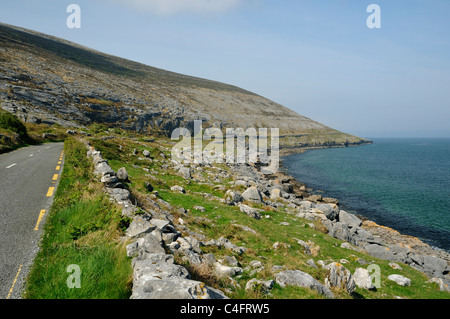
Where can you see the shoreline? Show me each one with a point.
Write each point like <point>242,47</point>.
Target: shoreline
<point>387,234</point>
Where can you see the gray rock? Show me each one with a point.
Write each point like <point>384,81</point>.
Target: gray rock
<point>251,212</point>
<point>231,261</point>
<point>176,289</point>
<point>444,284</point>
<point>185,172</point>
<point>119,194</point>
<point>349,219</point>
<point>378,251</point>
<point>301,279</point>
<point>311,263</point>
<point>146,153</point>
<point>227,270</point>
<point>178,189</point>
<point>122,174</point>
<point>340,277</point>
<point>109,179</point>
<point>103,168</point>
<point>148,245</point>
<point>184,244</point>
<point>193,257</point>
<point>275,193</point>
<point>259,285</point>
<point>432,266</point>
<point>330,211</point>
<point>152,268</point>
<point>362,278</point>
<point>401,280</point>
<point>233,197</point>
<point>395,266</point>
<point>252,194</point>
<point>139,228</point>
<point>230,246</point>
<point>195,244</point>
<point>209,258</point>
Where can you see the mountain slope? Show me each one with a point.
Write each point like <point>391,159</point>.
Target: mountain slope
<point>50,80</point>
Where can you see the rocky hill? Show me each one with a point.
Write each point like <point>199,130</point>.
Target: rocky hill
<point>44,79</point>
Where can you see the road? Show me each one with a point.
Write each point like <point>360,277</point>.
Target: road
<point>28,180</point>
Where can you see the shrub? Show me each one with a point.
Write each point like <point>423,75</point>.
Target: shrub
<point>11,123</point>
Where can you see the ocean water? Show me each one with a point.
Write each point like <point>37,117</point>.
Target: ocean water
<point>400,183</point>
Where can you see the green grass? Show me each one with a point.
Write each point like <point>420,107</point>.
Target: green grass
<point>218,220</point>
<point>83,228</point>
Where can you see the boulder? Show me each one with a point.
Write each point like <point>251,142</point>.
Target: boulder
<point>444,284</point>
<point>109,179</point>
<point>176,289</point>
<point>432,266</point>
<point>103,169</point>
<point>139,228</point>
<point>148,270</point>
<point>251,212</point>
<point>275,193</point>
<point>231,261</point>
<point>349,219</point>
<point>185,172</point>
<point>301,279</point>
<point>233,197</point>
<point>401,280</point>
<point>378,251</point>
<point>329,210</point>
<point>252,194</point>
<point>227,270</point>
<point>314,198</point>
<point>122,174</point>
<point>146,153</point>
<point>119,194</point>
<point>362,278</point>
<point>340,277</point>
<point>178,189</point>
<point>222,241</point>
<point>259,285</point>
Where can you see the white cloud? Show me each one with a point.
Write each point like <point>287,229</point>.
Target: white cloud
<point>167,7</point>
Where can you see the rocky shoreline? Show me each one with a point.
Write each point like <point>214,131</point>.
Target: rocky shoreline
<point>156,236</point>
<point>382,242</point>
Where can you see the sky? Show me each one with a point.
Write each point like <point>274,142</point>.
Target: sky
<point>316,57</point>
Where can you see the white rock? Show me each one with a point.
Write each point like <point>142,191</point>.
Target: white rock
<point>401,280</point>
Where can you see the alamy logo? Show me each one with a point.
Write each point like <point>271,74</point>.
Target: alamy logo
<point>74,19</point>
<point>74,280</point>
<point>374,20</point>
<point>237,141</point>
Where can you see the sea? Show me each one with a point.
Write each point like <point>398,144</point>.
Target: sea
<point>402,183</point>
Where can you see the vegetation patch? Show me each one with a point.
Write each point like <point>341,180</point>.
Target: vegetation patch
<point>84,229</point>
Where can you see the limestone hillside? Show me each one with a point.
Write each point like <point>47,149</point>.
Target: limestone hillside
<point>44,79</point>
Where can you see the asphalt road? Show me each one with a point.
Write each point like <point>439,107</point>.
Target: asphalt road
<point>28,179</point>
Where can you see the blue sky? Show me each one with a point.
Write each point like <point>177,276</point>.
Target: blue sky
<point>318,57</point>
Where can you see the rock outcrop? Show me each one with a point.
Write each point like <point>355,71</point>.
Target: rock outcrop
<point>44,79</point>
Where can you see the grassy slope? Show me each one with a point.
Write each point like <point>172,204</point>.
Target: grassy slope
<point>218,218</point>
<point>83,228</point>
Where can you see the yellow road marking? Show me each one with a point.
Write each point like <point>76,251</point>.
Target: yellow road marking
<point>58,167</point>
<point>55,177</point>
<point>41,214</point>
<point>15,279</point>
<point>50,191</point>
